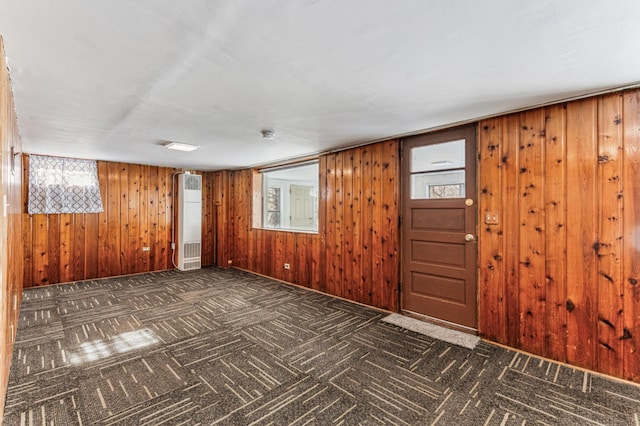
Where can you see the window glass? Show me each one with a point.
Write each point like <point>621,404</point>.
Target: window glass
<point>290,198</point>
<point>441,156</point>
<point>437,171</point>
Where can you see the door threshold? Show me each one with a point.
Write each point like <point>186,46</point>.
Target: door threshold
<point>440,322</point>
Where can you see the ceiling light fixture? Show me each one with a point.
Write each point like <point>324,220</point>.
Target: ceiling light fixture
<point>268,134</point>
<point>179,146</point>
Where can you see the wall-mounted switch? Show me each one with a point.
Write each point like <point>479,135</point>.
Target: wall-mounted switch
<point>491,218</point>
<point>146,248</point>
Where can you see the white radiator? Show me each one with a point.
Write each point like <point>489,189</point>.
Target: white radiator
<point>189,227</point>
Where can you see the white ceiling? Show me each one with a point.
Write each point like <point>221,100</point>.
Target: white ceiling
<point>113,80</point>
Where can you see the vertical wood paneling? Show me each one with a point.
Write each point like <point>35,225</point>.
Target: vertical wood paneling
<point>153,193</point>
<point>631,239</point>
<point>103,223</point>
<point>124,261</point>
<point>511,225</point>
<point>78,256</point>
<point>532,232</point>
<point>331,239</point>
<point>222,191</point>
<point>57,248</point>
<point>27,226</point>
<point>377,221</point>
<point>348,246</point>
<point>609,177</point>
<point>208,224</point>
<point>491,298</point>
<point>555,189</point>
<point>90,259</point>
<point>318,243</point>
<point>113,220</point>
<point>11,227</point>
<point>581,233</point>
<point>165,209</point>
<point>390,239</point>
<point>366,218</point>
<point>355,284</point>
<point>142,258</point>
<point>66,234</point>
<point>133,218</point>
<point>40,249</point>
<point>137,213</point>
<point>338,267</point>
<point>569,226</point>
<point>354,254</point>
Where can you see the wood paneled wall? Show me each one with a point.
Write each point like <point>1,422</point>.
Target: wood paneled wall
<point>60,248</point>
<point>10,242</point>
<point>559,274</point>
<point>355,253</point>
<point>137,203</point>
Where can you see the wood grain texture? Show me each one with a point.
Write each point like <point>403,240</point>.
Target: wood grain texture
<point>631,237</point>
<point>581,233</point>
<point>609,234</point>
<point>354,254</point>
<point>137,203</point>
<point>555,188</point>
<point>491,300</point>
<point>559,273</point>
<point>11,230</point>
<point>532,232</point>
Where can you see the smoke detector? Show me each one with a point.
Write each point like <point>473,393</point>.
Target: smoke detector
<point>268,134</point>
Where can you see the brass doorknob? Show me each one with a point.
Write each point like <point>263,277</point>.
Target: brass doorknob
<point>469,237</point>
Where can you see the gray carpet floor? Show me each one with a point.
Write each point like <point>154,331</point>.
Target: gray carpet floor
<point>228,347</point>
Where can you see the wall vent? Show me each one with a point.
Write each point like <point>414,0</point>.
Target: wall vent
<point>189,222</point>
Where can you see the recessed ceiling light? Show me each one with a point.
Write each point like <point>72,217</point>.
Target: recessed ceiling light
<point>179,146</point>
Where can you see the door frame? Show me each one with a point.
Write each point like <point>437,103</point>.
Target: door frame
<point>444,135</point>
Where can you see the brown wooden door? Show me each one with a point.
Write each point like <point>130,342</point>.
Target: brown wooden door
<point>439,226</point>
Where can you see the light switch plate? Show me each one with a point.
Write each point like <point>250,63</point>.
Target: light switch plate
<point>491,218</point>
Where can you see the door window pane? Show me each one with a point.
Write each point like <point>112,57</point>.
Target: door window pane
<point>438,185</point>
<point>441,156</point>
<point>438,170</point>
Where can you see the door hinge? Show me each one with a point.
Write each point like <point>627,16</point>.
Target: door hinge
<point>399,221</point>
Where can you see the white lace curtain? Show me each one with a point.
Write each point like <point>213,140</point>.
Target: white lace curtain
<point>63,185</point>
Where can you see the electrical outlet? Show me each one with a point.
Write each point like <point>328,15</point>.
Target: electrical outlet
<point>287,266</point>
<point>146,248</point>
<point>229,261</point>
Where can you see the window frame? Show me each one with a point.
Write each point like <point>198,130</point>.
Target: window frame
<point>259,206</point>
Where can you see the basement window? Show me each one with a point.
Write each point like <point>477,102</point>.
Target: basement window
<point>286,198</point>
<point>63,185</point>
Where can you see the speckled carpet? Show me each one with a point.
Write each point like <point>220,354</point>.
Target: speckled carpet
<point>228,347</point>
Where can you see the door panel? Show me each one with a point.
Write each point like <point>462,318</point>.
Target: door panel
<point>433,252</point>
<point>437,219</point>
<point>439,201</point>
<point>439,287</point>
